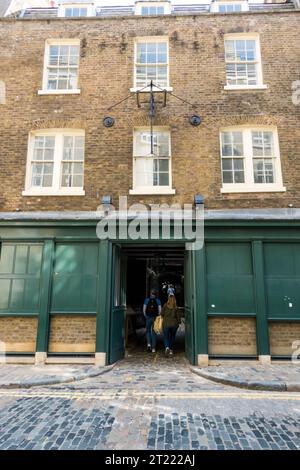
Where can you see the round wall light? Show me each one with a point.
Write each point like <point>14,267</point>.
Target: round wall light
<point>195,120</point>
<point>108,121</point>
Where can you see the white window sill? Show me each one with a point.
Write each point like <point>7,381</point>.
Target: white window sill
<point>147,90</point>
<point>75,91</point>
<point>253,189</point>
<point>151,191</point>
<point>61,192</point>
<point>245,87</point>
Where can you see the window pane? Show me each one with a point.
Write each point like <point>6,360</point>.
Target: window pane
<point>262,143</point>
<point>43,148</point>
<point>42,174</point>
<point>233,170</point>
<point>63,67</point>
<point>160,143</point>
<point>239,177</point>
<point>72,175</point>
<point>263,171</point>
<point>227,177</point>
<point>232,144</point>
<point>163,179</point>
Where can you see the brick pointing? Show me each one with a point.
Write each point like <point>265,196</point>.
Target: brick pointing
<point>18,333</point>
<point>232,336</point>
<point>197,74</point>
<point>282,336</point>
<point>72,333</point>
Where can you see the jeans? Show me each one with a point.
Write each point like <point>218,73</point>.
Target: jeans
<point>151,335</point>
<point>169,336</point>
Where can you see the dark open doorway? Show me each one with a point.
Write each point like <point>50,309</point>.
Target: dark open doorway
<point>152,267</point>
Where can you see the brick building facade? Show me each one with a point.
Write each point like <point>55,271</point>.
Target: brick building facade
<point>250,208</point>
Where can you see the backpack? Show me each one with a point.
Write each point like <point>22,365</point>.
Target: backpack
<point>152,308</point>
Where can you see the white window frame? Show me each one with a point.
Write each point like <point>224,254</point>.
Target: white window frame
<point>249,186</point>
<point>56,189</point>
<point>259,74</point>
<point>59,42</point>
<point>144,190</point>
<point>140,5</point>
<point>216,4</point>
<point>63,7</point>
<point>151,39</point>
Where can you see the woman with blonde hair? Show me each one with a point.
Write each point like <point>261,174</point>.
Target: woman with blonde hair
<point>171,320</point>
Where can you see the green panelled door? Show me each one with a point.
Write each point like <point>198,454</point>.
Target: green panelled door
<point>230,278</point>
<point>118,309</point>
<point>20,270</point>
<point>75,278</point>
<point>282,276</point>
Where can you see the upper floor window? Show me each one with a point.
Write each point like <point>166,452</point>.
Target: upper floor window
<point>250,160</point>
<point>243,61</point>
<point>61,65</point>
<point>151,62</point>
<point>152,8</point>
<point>229,6</point>
<point>55,163</point>
<point>75,10</point>
<point>152,163</point>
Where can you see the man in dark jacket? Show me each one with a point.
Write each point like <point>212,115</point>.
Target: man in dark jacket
<point>151,308</point>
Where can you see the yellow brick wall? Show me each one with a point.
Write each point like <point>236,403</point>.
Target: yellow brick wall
<point>18,333</point>
<point>197,74</point>
<point>236,336</point>
<point>72,334</point>
<point>282,336</point>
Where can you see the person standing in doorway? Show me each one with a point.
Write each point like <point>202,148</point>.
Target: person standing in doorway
<point>171,321</point>
<point>151,308</point>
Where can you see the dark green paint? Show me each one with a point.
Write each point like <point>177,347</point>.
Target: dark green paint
<point>200,292</point>
<point>46,277</point>
<point>230,285</point>
<point>75,278</point>
<point>189,307</point>
<point>282,275</point>
<point>262,329</point>
<point>104,296</point>
<point>20,271</point>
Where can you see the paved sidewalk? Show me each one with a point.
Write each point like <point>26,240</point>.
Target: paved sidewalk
<point>276,377</point>
<point>23,376</point>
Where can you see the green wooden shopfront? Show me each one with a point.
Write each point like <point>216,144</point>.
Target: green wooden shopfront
<point>63,291</point>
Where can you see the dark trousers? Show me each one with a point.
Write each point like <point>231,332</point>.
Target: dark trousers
<point>169,336</point>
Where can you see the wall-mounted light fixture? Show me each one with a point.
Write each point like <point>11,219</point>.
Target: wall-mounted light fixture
<point>198,199</point>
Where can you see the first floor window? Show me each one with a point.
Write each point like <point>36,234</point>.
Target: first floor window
<point>250,159</point>
<point>243,62</point>
<point>61,66</point>
<point>55,161</point>
<point>151,159</point>
<point>151,63</point>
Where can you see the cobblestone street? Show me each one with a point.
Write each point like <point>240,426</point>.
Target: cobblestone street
<point>148,402</point>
